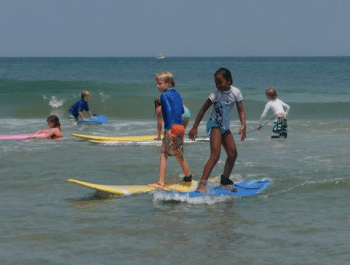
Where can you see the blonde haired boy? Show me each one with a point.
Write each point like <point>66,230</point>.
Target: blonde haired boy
<point>78,107</point>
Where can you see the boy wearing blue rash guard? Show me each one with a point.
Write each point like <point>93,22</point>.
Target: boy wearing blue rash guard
<point>172,110</point>
<point>78,107</point>
<point>158,113</point>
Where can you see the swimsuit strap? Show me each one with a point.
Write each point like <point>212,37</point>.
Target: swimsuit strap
<point>56,136</point>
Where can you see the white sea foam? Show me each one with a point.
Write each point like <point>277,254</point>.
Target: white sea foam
<point>104,97</point>
<point>55,102</point>
<point>159,196</point>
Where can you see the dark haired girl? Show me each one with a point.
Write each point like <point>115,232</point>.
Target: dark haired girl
<point>54,133</point>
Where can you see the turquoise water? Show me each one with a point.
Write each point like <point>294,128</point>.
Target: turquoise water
<point>302,218</point>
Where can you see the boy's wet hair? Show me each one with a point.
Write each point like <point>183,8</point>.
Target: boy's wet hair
<point>85,93</point>
<point>225,73</point>
<point>167,77</point>
<point>54,119</point>
<point>271,93</point>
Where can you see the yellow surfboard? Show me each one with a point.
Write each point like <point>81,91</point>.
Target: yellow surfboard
<point>139,138</point>
<point>134,189</point>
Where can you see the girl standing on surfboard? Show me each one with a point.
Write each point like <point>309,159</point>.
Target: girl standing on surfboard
<point>218,126</point>
<point>172,110</point>
<point>55,133</point>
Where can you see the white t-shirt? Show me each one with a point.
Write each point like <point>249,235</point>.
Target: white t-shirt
<point>222,105</point>
<point>276,106</point>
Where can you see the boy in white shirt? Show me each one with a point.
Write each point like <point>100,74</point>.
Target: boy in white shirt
<point>279,109</point>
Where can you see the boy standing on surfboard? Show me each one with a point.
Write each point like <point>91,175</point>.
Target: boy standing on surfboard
<point>158,109</point>
<point>172,110</point>
<point>78,107</point>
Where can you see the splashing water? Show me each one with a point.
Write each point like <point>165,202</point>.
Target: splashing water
<point>56,103</point>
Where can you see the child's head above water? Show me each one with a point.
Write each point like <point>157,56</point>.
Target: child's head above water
<point>271,93</point>
<point>85,94</point>
<point>225,73</point>
<point>53,119</point>
<point>223,79</point>
<point>166,77</point>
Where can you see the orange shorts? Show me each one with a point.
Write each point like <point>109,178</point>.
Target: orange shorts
<point>178,130</point>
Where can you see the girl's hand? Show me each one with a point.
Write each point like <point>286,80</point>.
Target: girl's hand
<point>193,134</point>
<point>42,131</point>
<point>242,132</point>
<point>259,127</point>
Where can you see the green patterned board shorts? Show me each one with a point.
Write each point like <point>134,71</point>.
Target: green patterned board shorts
<point>279,129</point>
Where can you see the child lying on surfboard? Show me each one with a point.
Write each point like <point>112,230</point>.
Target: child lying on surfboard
<point>172,110</point>
<point>54,133</point>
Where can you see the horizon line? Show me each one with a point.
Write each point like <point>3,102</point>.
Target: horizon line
<point>241,56</point>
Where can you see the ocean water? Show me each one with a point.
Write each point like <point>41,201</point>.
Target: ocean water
<point>302,218</point>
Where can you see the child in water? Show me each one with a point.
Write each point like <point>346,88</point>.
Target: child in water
<point>172,110</point>
<point>78,107</point>
<point>158,108</point>
<point>54,133</point>
<point>279,109</point>
<point>218,127</point>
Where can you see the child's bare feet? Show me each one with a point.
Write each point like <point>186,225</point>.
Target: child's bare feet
<point>201,187</point>
<point>230,188</point>
<point>203,190</point>
<point>157,185</point>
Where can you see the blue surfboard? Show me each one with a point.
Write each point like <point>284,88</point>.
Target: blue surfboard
<point>246,188</point>
<point>96,119</point>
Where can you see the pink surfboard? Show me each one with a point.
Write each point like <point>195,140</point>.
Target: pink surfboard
<point>18,136</point>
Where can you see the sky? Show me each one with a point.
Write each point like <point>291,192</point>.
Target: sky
<point>144,28</point>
